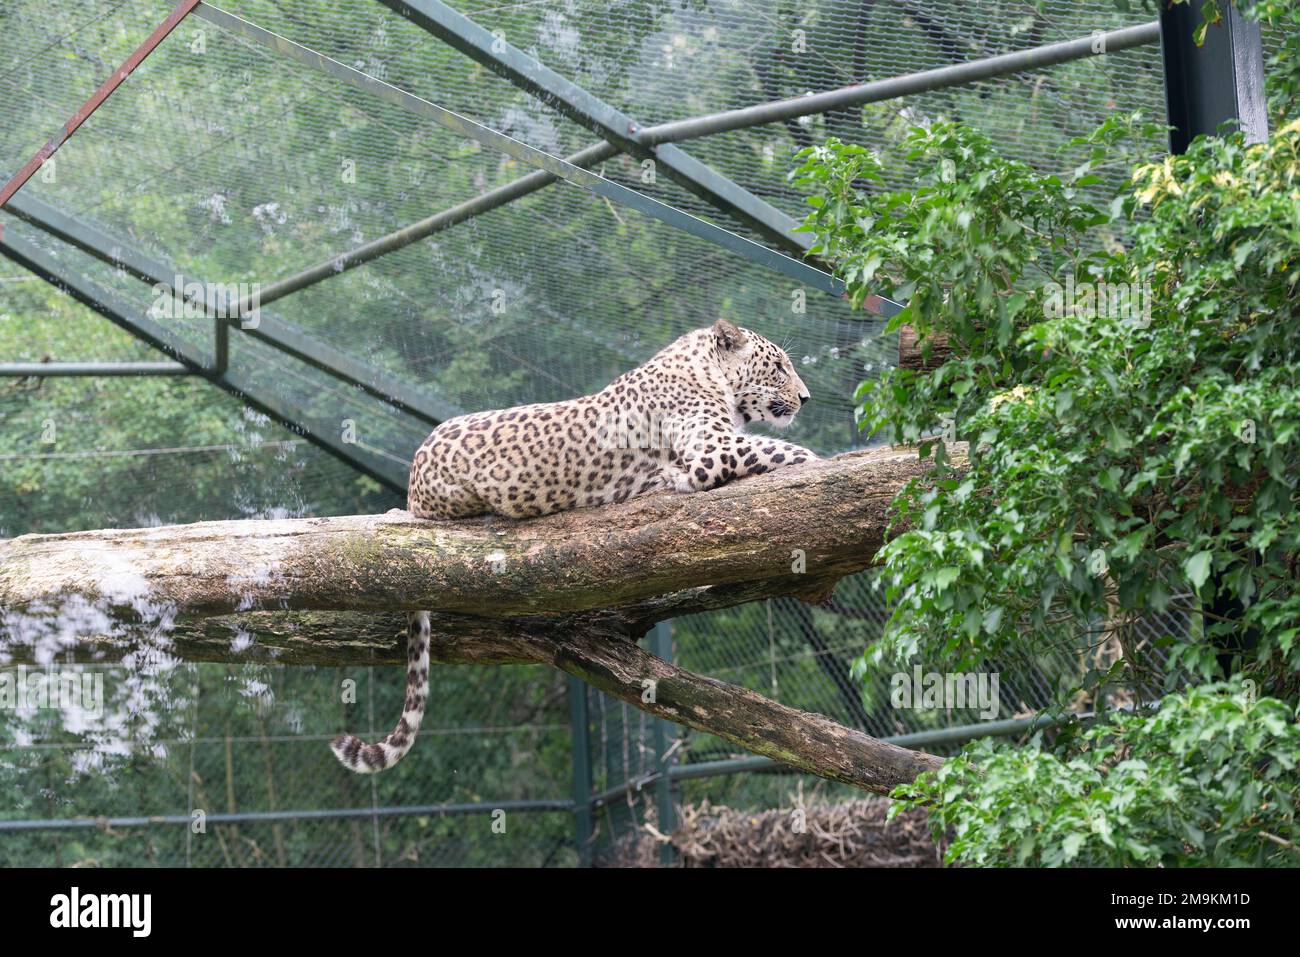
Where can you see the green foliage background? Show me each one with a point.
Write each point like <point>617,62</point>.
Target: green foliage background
<point>1121,461</point>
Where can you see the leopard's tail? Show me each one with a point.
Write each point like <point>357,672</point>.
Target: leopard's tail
<point>369,758</point>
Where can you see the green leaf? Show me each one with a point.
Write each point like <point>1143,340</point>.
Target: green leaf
<point>1071,845</point>
<point>1197,568</point>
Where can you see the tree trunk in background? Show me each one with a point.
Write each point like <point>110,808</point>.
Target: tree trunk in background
<point>911,356</point>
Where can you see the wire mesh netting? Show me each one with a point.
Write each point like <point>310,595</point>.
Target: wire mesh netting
<point>234,762</point>
<point>226,162</point>
<point>804,656</point>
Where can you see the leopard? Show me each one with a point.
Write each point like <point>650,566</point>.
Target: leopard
<point>675,424</point>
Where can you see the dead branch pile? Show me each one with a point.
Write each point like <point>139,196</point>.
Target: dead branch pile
<point>849,834</point>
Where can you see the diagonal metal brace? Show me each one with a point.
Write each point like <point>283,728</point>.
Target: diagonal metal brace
<point>463,34</point>
<point>284,336</point>
<point>126,315</point>
<point>800,271</point>
<point>97,99</point>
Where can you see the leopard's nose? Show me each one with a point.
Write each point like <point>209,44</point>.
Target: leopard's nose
<point>803,399</point>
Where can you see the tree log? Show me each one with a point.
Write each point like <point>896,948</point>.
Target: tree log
<point>819,521</point>
<point>335,638</point>
<point>572,591</point>
<point>807,742</point>
<point>598,650</point>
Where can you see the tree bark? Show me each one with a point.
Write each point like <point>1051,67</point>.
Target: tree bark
<point>801,528</point>
<point>572,591</point>
<point>599,650</point>
<point>912,356</point>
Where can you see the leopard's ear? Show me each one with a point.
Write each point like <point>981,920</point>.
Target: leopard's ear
<point>728,336</point>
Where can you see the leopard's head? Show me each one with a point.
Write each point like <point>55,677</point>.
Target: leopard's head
<point>763,382</point>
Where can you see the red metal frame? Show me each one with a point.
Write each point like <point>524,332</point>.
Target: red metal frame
<point>103,93</point>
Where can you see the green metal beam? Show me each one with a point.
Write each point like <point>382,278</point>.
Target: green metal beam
<point>527,73</point>
<point>661,732</point>
<point>917,739</point>
<point>303,814</point>
<point>413,233</point>
<point>581,761</point>
<point>127,315</point>
<point>83,290</point>
<point>798,270</point>
<point>907,84</point>
<point>97,99</point>
<point>49,369</point>
<point>284,336</point>
<point>495,198</point>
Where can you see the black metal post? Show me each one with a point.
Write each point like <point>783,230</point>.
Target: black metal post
<point>1221,81</point>
<point>578,730</point>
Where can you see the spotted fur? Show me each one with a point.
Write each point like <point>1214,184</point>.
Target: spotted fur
<point>368,758</point>
<point>675,423</point>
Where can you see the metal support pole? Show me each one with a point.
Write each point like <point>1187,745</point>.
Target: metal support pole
<point>97,99</point>
<point>796,269</point>
<point>916,739</point>
<point>581,748</point>
<point>639,139</point>
<point>661,732</point>
<point>583,107</point>
<point>49,369</point>
<point>220,346</point>
<point>709,124</point>
<point>1221,81</point>
<point>302,814</point>
<point>909,84</point>
<point>401,238</point>
<point>124,314</point>
<point>713,123</point>
<point>284,336</point>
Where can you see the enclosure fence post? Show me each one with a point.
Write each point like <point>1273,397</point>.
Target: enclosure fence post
<point>661,643</point>
<point>221,346</point>
<point>1220,81</point>
<point>578,730</point>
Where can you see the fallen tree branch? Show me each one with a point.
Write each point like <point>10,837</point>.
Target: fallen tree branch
<point>599,651</point>
<point>805,741</point>
<point>335,638</point>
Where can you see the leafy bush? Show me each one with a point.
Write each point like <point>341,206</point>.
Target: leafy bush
<point>1114,457</point>
<point>1128,381</point>
<point>1207,779</point>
